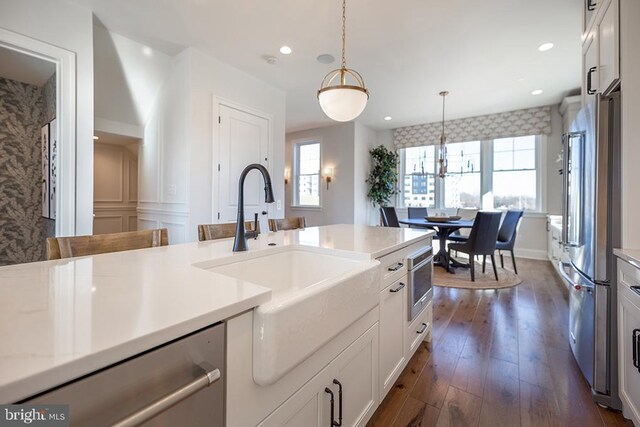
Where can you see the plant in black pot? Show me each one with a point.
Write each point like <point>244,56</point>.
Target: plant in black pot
<point>383,177</point>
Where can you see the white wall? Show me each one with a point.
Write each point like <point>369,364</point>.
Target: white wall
<point>70,27</point>
<point>364,140</point>
<point>630,77</point>
<point>176,157</point>
<point>337,151</point>
<point>553,150</point>
<point>128,77</point>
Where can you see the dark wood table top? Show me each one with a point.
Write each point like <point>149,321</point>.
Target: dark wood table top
<point>417,222</point>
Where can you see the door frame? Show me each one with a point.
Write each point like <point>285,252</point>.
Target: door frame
<point>65,62</point>
<point>215,152</point>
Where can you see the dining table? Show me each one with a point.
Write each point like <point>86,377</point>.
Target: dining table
<point>443,230</point>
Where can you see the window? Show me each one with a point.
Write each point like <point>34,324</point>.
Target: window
<point>307,174</point>
<point>491,174</point>
<point>462,186</point>
<point>419,179</point>
<point>514,173</point>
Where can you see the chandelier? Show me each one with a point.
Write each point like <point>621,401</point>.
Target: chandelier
<point>442,158</point>
<point>342,94</point>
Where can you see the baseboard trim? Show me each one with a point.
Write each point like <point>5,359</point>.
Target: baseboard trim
<point>531,254</point>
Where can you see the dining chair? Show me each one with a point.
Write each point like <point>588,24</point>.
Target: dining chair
<point>75,246</point>
<point>223,231</point>
<point>466,214</point>
<point>416,213</point>
<point>482,241</point>
<point>389,217</point>
<point>507,235</point>
<point>287,223</point>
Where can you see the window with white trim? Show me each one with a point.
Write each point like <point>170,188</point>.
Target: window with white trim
<point>306,182</point>
<point>515,180</point>
<point>491,174</point>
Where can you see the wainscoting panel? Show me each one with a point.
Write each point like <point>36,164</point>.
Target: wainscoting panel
<point>116,189</point>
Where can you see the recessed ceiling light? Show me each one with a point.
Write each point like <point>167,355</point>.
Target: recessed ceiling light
<point>95,138</point>
<point>536,92</point>
<point>325,58</point>
<point>387,118</point>
<point>146,51</point>
<point>285,50</point>
<point>521,79</point>
<point>545,46</point>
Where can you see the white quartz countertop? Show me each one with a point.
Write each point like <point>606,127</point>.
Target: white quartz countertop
<point>632,256</point>
<point>60,320</point>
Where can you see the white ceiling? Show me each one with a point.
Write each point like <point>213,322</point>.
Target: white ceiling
<point>483,52</point>
<point>25,68</point>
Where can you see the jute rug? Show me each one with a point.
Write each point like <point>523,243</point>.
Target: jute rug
<point>462,278</point>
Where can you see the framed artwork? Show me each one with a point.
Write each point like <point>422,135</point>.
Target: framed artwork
<point>49,147</point>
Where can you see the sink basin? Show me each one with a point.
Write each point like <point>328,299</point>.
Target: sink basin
<point>316,293</point>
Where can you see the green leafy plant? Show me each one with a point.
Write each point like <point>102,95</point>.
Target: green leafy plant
<point>383,177</point>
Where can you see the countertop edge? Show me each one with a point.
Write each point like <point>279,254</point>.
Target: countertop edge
<point>632,256</point>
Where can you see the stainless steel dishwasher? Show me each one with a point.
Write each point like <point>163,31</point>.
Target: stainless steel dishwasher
<point>180,383</point>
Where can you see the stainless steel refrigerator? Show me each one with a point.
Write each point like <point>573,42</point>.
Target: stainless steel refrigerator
<point>591,229</point>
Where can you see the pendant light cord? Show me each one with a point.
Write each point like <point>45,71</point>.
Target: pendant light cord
<point>344,33</point>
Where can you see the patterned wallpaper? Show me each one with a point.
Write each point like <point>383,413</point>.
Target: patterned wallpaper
<point>532,121</point>
<point>23,110</point>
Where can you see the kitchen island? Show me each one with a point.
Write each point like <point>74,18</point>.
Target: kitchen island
<point>64,319</point>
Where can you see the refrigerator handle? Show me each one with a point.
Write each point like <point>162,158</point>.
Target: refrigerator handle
<point>566,143</point>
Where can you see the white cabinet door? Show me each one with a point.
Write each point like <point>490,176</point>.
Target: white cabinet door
<point>419,330</point>
<point>356,371</point>
<point>590,68</point>
<point>628,343</point>
<point>609,41</point>
<point>393,309</point>
<point>308,407</point>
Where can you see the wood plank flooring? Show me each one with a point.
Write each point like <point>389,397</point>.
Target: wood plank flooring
<point>498,358</point>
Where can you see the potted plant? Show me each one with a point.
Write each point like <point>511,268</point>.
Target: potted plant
<point>383,177</point>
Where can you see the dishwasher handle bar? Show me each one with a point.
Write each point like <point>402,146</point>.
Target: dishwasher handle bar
<point>171,399</point>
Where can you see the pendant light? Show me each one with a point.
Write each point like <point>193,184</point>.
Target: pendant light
<point>442,159</point>
<point>340,99</point>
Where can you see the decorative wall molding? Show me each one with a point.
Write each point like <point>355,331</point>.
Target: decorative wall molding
<point>531,121</point>
<point>144,210</point>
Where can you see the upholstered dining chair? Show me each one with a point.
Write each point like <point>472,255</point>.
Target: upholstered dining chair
<point>287,223</point>
<point>416,213</point>
<point>75,246</point>
<point>481,241</point>
<point>389,217</point>
<point>222,231</point>
<point>507,235</point>
<point>463,234</point>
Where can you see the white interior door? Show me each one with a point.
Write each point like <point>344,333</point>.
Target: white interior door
<point>244,139</point>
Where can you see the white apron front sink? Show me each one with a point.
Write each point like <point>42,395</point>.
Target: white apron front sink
<point>316,293</point>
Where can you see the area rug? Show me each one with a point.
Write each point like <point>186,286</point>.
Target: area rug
<point>462,277</point>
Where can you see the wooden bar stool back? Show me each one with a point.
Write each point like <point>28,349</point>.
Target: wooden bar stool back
<point>221,231</point>
<point>75,246</point>
<point>287,223</point>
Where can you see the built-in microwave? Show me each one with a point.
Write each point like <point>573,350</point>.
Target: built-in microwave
<point>420,266</point>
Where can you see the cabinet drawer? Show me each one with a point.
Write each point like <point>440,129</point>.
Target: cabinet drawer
<point>394,266</point>
<point>418,329</point>
<point>628,275</point>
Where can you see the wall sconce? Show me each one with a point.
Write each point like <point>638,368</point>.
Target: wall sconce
<point>287,174</point>
<point>328,175</point>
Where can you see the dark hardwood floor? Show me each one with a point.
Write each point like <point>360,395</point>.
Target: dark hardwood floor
<point>498,358</point>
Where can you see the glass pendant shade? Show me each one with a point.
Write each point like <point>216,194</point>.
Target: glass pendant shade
<point>343,103</point>
<point>343,95</point>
